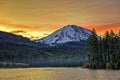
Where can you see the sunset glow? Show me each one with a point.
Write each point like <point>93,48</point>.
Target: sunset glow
<point>38,18</point>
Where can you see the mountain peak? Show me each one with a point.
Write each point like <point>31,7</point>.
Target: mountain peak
<point>69,33</point>
<point>71,26</point>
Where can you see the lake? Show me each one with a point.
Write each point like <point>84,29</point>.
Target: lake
<point>58,74</point>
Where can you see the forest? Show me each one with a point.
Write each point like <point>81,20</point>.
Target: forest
<point>41,57</point>
<point>104,52</point>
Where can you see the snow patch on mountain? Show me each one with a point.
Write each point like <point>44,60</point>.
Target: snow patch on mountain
<point>69,33</point>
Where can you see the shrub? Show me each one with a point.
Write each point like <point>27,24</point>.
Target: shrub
<point>108,65</point>
<point>13,65</point>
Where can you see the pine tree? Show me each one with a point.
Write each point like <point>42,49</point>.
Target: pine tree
<point>106,46</point>
<point>116,53</point>
<point>111,46</point>
<point>93,50</point>
<point>119,40</point>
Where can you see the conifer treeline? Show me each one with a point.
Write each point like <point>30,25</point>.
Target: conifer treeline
<point>104,52</point>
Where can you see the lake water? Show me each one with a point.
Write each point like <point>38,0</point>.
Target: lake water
<point>58,74</point>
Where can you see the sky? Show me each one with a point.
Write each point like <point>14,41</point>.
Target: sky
<point>38,18</point>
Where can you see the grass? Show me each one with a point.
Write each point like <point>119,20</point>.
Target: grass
<point>58,74</point>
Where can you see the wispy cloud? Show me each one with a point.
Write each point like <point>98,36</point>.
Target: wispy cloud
<point>38,31</point>
<point>45,34</point>
<point>42,27</point>
<point>18,31</point>
<point>101,29</point>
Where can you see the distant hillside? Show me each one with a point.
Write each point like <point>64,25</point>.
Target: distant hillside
<point>6,37</point>
<point>18,49</point>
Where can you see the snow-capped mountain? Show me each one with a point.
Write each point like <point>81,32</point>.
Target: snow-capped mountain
<point>69,33</point>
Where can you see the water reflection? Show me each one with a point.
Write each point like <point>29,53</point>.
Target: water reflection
<point>58,74</point>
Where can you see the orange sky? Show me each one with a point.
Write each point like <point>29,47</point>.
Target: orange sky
<point>38,18</point>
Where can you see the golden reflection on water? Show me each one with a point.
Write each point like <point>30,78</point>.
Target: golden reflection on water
<point>57,74</point>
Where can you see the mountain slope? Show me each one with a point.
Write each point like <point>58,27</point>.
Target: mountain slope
<point>6,37</point>
<point>69,33</point>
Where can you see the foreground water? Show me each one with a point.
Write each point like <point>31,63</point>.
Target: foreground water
<point>58,74</point>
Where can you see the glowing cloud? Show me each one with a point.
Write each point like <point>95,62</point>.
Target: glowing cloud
<point>38,17</point>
